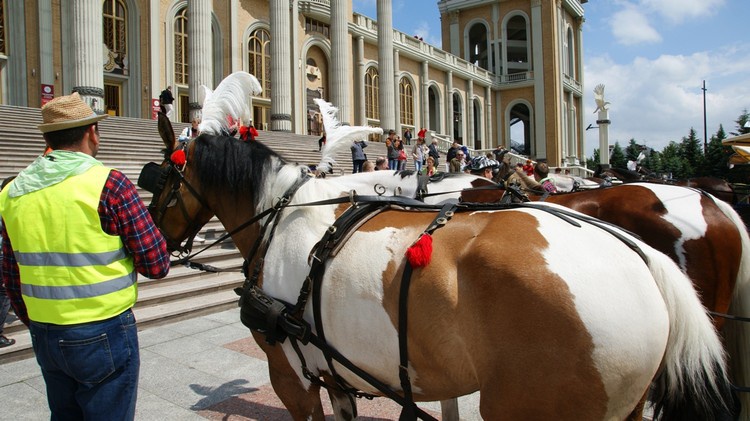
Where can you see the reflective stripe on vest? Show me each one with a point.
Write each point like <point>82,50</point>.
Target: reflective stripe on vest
<point>71,270</point>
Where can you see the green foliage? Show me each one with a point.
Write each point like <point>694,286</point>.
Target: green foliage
<point>593,161</point>
<point>717,156</point>
<point>632,151</point>
<point>617,158</point>
<point>687,158</point>
<point>741,120</point>
<point>691,154</point>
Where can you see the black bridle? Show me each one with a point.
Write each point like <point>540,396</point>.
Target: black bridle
<point>154,178</point>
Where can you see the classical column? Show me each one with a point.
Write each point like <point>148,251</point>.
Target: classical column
<point>539,142</point>
<point>386,94</point>
<point>455,35</point>
<point>297,72</point>
<point>155,45</point>
<point>397,93</point>
<point>281,92</point>
<point>340,59</point>
<point>488,117</point>
<point>46,69</point>
<point>200,52</point>
<point>88,62</point>
<point>235,44</point>
<point>425,97</point>
<point>360,82</point>
<point>449,103</point>
<point>469,123</point>
<point>603,122</point>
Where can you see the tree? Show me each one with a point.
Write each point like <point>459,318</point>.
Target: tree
<point>671,160</point>
<point>717,156</point>
<point>741,121</point>
<point>653,163</point>
<point>617,158</point>
<point>594,160</point>
<point>691,153</point>
<point>632,151</point>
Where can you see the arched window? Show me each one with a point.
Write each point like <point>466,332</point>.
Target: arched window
<point>478,46</point>
<point>458,118</point>
<point>517,49</point>
<point>114,18</point>
<point>372,104</point>
<point>259,50</point>
<point>3,49</point>
<point>570,56</point>
<point>181,47</point>
<point>406,96</point>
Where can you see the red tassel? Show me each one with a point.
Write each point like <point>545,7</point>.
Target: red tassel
<point>420,253</point>
<point>178,157</point>
<point>248,133</point>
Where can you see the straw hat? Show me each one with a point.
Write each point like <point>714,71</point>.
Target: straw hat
<point>66,112</point>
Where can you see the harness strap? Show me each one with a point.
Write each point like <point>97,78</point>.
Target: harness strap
<point>321,252</point>
<point>409,410</point>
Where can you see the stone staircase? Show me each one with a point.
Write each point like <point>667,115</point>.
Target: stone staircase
<point>128,144</point>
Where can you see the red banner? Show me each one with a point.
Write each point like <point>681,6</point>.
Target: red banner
<point>154,108</point>
<point>48,92</point>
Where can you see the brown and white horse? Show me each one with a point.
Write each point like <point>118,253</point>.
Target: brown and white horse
<point>704,235</point>
<point>550,335</point>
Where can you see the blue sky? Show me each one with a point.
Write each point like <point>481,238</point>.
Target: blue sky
<point>651,55</point>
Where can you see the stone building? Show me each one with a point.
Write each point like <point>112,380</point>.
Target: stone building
<point>505,66</point>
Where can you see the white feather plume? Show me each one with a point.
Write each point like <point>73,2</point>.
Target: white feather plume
<point>338,137</point>
<point>230,99</point>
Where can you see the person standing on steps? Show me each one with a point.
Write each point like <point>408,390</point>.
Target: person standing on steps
<point>165,102</point>
<point>75,237</point>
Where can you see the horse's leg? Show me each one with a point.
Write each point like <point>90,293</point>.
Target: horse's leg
<point>449,409</point>
<point>302,403</point>
<point>344,405</point>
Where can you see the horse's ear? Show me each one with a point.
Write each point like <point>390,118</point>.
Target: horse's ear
<point>167,132</point>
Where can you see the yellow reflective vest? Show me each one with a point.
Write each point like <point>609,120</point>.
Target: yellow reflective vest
<point>71,270</point>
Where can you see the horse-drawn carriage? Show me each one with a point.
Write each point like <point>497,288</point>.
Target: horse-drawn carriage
<point>361,291</point>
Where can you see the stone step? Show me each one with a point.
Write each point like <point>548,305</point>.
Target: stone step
<point>128,144</point>
<point>153,315</point>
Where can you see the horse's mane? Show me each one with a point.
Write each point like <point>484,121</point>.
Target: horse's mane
<point>232,166</point>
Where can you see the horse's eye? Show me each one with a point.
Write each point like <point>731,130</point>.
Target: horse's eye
<point>172,202</point>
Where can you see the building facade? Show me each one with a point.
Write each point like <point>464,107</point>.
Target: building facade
<point>509,72</point>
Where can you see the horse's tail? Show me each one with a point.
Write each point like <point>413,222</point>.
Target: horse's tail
<point>737,333</point>
<point>692,383</point>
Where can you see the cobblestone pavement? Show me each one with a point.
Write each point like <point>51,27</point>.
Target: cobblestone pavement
<point>207,367</point>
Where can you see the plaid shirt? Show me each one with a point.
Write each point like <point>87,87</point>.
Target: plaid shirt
<point>122,213</point>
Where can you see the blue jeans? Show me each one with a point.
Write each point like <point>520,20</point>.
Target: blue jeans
<point>392,164</point>
<point>4,306</point>
<point>91,369</point>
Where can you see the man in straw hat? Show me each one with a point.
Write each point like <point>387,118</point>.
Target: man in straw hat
<point>75,234</point>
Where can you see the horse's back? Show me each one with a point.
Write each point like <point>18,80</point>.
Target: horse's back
<point>500,319</point>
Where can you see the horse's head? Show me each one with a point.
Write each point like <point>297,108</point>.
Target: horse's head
<point>178,206</point>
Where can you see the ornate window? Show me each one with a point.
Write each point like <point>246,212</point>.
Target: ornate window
<point>406,97</point>
<point>2,28</point>
<point>181,47</point>
<point>115,36</point>
<point>312,25</point>
<point>372,104</point>
<point>259,50</point>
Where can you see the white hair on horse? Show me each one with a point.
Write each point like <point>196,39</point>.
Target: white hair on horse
<point>230,99</point>
<point>338,136</point>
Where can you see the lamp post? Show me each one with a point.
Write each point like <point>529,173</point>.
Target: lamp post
<point>705,133</point>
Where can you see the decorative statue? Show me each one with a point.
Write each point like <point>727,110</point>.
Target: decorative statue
<point>601,105</point>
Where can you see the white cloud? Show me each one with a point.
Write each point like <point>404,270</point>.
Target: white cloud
<point>424,31</point>
<point>680,10</point>
<point>658,101</point>
<point>630,26</point>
